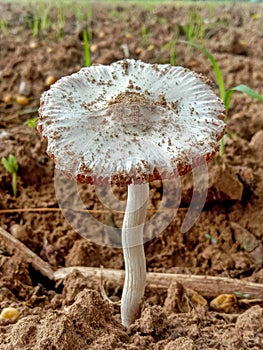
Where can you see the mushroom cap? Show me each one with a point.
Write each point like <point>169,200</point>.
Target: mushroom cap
<point>130,122</point>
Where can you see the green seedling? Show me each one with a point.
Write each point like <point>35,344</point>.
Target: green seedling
<point>45,22</point>
<point>2,251</point>
<point>242,295</point>
<point>144,34</point>
<point>244,245</point>
<point>86,48</point>
<point>82,14</point>
<point>3,26</point>
<point>90,13</point>
<point>60,23</point>
<point>119,15</point>
<point>194,29</point>
<point>79,12</point>
<point>11,166</point>
<point>172,53</point>
<point>38,22</point>
<point>31,123</point>
<point>89,17</point>
<point>35,25</point>
<point>212,239</point>
<point>171,46</point>
<point>225,95</point>
<point>256,16</point>
<point>162,20</point>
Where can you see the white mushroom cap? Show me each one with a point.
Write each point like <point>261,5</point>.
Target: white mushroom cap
<point>130,122</point>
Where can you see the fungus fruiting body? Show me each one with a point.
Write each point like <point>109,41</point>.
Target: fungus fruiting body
<point>130,123</point>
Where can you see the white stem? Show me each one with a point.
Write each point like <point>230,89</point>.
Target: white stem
<point>133,252</point>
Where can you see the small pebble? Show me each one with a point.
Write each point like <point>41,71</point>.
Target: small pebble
<point>33,45</point>
<point>237,116</point>
<point>50,80</point>
<point>150,47</point>
<point>101,35</point>
<point>128,36</point>
<point>224,302</point>
<point>93,48</point>
<point>246,175</point>
<point>4,135</point>
<point>256,142</point>
<point>24,89</point>
<point>22,100</point>
<point>138,50</point>
<point>192,63</point>
<point>18,231</point>
<point>196,298</point>
<point>7,99</point>
<point>10,313</point>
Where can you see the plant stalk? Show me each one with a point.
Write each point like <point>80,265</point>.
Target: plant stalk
<point>14,180</point>
<point>133,252</point>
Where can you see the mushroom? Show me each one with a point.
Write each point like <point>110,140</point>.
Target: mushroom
<point>129,123</point>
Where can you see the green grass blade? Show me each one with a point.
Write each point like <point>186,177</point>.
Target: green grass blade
<point>172,53</point>
<point>35,26</point>
<point>241,88</point>
<point>3,26</point>
<point>248,91</point>
<point>144,34</point>
<point>86,49</point>
<point>227,99</point>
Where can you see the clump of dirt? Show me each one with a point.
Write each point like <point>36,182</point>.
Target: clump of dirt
<point>225,241</point>
<point>88,323</point>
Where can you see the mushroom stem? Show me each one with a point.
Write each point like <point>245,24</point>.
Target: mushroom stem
<point>133,252</point>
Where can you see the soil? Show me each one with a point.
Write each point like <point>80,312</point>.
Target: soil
<point>226,240</point>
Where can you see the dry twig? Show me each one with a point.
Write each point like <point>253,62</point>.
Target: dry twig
<point>12,245</point>
<point>208,286</point>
